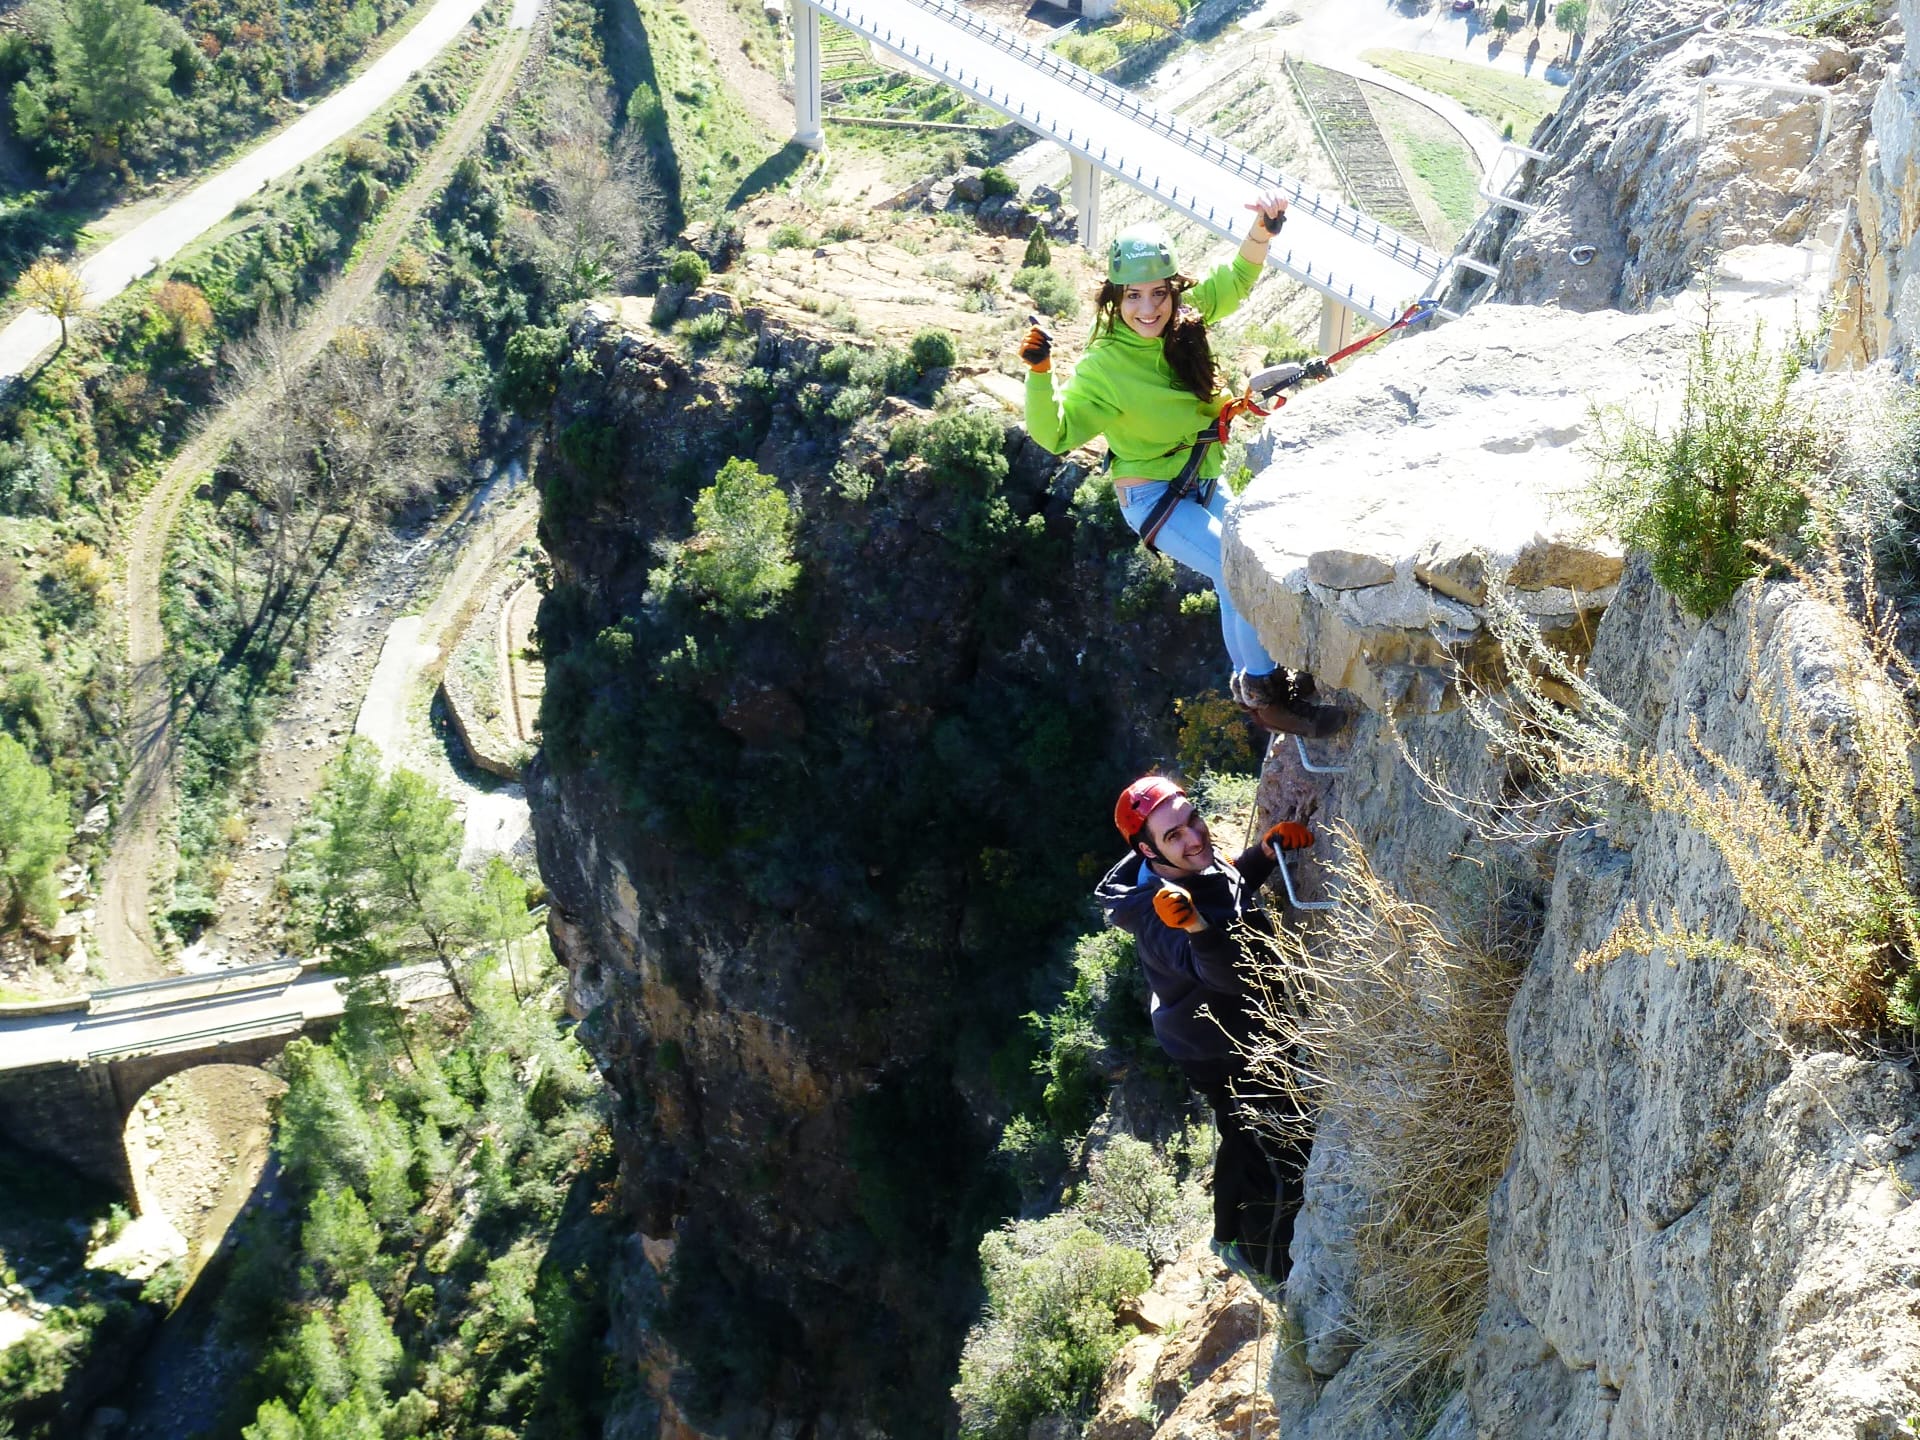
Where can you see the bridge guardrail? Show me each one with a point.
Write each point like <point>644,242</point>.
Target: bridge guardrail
<point>190,987</point>
<point>1329,212</point>
<point>238,1030</point>
<point>1421,266</point>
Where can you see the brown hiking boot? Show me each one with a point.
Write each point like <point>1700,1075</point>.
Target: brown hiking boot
<point>1279,702</point>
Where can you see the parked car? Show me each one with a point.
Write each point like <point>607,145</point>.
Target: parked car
<point>1465,7</point>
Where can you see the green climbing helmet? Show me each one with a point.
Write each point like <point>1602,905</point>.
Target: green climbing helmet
<point>1140,254</point>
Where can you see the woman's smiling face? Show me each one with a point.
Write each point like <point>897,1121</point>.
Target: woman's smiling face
<point>1147,308</point>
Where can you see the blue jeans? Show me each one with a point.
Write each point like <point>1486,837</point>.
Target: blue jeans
<point>1191,537</point>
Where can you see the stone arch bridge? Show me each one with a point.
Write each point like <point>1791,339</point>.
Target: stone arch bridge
<point>72,1071</point>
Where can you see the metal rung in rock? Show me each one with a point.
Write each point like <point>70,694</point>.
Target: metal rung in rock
<point>1308,765</point>
<point>1293,899</point>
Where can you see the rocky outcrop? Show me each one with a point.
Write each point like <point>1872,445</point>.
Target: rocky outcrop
<point>800,878</point>
<point>1636,199</point>
<point>1706,1227</point>
<point>1876,272</point>
<point>1197,1367</point>
<point>1387,506</point>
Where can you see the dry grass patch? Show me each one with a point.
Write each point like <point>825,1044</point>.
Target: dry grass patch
<point>1390,1024</point>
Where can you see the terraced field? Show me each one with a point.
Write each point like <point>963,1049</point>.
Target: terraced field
<point>1353,139</point>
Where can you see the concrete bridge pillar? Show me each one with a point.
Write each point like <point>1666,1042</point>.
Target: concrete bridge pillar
<point>1336,325</point>
<point>1085,195</point>
<point>807,129</point>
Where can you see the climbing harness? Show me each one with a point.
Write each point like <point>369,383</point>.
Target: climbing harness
<point>1264,386</point>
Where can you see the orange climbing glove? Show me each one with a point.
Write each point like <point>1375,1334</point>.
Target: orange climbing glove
<point>1287,835</point>
<point>1037,351</point>
<point>1175,907</point>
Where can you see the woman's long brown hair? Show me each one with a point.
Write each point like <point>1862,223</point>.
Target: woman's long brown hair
<point>1185,339</point>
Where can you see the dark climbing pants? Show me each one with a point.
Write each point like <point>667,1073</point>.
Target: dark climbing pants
<point>1257,1174</point>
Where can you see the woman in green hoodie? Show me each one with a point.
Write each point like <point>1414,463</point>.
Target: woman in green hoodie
<point>1147,383</point>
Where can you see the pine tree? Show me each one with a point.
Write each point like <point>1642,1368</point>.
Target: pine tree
<point>390,887</point>
<point>115,56</point>
<point>33,835</point>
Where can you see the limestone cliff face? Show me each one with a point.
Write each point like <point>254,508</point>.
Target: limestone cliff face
<point>807,869</point>
<point>1706,1228</point>
<point>1636,197</point>
<point>1876,273</point>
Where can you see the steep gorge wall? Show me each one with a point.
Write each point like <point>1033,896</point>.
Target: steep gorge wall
<point>808,871</point>
<point>1707,1227</point>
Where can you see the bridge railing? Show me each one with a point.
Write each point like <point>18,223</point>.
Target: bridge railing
<point>191,987</point>
<point>194,1039</point>
<point>1227,157</point>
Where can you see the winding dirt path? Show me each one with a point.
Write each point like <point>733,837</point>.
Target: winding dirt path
<point>126,932</point>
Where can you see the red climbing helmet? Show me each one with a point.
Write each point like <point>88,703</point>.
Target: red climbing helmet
<point>1139,800</point>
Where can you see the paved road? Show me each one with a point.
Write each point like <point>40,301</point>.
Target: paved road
<point>72,1037</point>
<point>164,235</point>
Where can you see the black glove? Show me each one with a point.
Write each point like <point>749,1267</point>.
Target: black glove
<point>1037,350</point>
<point>1317,370</point>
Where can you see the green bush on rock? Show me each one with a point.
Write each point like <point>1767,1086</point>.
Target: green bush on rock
<point>1052,1288</point>
<point>739,560</point>
<point>1709,498</point>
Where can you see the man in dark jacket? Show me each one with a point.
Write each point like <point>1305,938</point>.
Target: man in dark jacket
<point>1183,903</point>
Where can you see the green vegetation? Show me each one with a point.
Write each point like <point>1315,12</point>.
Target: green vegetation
<point>1038,252</point>
<point>380,871</point>
<point>686,268</point>
<point>1856,24</point>
<point>1053,1286</point>
<point>1446,170</point>
<point>1091,50</point>
<point>1052,293</point>
<point>705,147</point>
<point>910,153</point>
<point>1571,16</point>
<point>33,836</point>
<point>739,559</point>
<point>148,89</point>
<point>444,1270</point>
<point>530,367</point>
<point>1715,496</point>
<point>933,349</point>
<point>995,181</point>
<point>113,59</point>
<point>1092,1033</point>
<point>1499,98</point>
